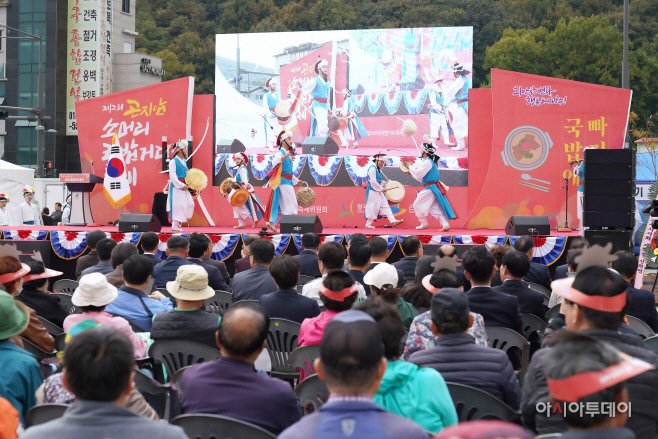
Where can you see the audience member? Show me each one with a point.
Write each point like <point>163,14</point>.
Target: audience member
<point>90,259</point>
<point>416,293</point>
<point>308,258</point>
<point>379,250</point>
<point>450,251</point>
<point>354,239</point>
<point>149,243</point>
<point>358,260</point>
<point>244,263</point>
<point>187,321</point>
<point>330,257</point>
<point>220,265</point>
<point>338,292</point>
<point>382,280</point>
<point>514,267</point>
<point>286,302</point>
<point>253,283</point>
<point>498,251</point>
<point>92,297</point>
<point>45,217</point>
<point>132,303</point>
<point>456,356</point>
<point>177,250</point>
<point>231,386</point>
<point>99,372</point>
<point>576,244</point>
<point>120,253</point>
<point>10,421</point>
<point>57,216</point>
<point>420,332</point>
<point>413,250</point>
<point>594,289</point>
<point>104,249</point>
<point>21,374</point>
<point>642,303</point>
<point>485,429</point>
<point>572,267</point>
<point>35,294</point>
<point>538,273</point>
<point>199,246</point>
<point>352,364</point>
<point>419,394</point>
<point>497,309</point>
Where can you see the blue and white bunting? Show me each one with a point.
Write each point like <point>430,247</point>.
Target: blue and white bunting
<point>219,161</point>
<point>68,245</point>
<point>547,249</point>
<point>487,241</point>
<point>224,245</point>
<point>261,164</point>
<point>26,235</point>
<point>324,169</point>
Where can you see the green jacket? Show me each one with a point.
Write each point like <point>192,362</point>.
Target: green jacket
<point>407,312</point>
<point>419,394</point>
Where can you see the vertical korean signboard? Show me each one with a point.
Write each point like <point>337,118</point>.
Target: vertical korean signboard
<point>89,64</point>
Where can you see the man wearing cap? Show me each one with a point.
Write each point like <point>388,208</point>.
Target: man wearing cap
<point>352,365</point>
<point>187,321</point>
<point>28,211</point>
<point>252,209</point>
<point>319,89</point>
<point>21,375</point>
<point>594,304</point>
<point>376,202</point>
<point>308,258</point>
<point>432,200</point>
<point>5,216</point>
<point>180,203</point>
<point>382,281</point>
<point>458,358</point>
<point>35,294</point>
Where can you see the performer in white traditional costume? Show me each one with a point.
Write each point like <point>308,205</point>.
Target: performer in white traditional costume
<point>5,216</point>
<point>438,114</point>
<point>319,88</point>
<point>432,199</point>
<point>355,130</point>
<point>455,91</point>
<point>180,203</point>
<point>28,212</point>
<point>270,100</point>
<point>376,202</point>
<point>281,179</point>
<point>252,209</point>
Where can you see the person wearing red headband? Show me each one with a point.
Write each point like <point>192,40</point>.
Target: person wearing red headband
<point>594,305</point>
<point>252,209</point>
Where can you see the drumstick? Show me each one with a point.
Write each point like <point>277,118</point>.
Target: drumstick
<point>414,139</point>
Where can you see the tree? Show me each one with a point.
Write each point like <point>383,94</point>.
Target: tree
<point>333,14</point>
<point>173,67</point>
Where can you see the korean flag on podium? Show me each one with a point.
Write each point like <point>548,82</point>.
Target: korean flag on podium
<point>116,186</point>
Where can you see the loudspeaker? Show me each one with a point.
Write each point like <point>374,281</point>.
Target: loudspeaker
<point>609,188</point>
<point>609,164</point>
<point>609,156</point>
<point>320,146</point>
<point>229,146</point>
<point>611,219</point>
<point>301,224</point>
<point>621,239</point>
<point>138,222</point>
<point>604,203</point>
<point>528,225</point>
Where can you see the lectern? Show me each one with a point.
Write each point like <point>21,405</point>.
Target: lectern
<point>80,185</point>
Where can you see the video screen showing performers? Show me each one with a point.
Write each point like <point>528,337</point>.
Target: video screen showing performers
<point>362,90</point>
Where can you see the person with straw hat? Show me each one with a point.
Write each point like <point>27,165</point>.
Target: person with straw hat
<point>5,216</point>
<point>376,202</point>
<point>319,89</point>
<point>29,213</point>
<point>252,209</point>
<point>21,375</point>
<point>180,203</point>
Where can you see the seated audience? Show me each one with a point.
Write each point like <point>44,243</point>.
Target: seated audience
<point>121,252</point>
<point>416,293</point>
<point>35,294</point>
<point>99,372</point>
<point>21,374</point>
<point>419,394</point>
<point>513,268</point>
<point>379,254</point>
<point>330,257</point>
<point>104,250</point>
<point>420,332</point>
<point>177,249</point>
<point>354,239</point>
<point>450,251</point>
<point>413,251</point>
<point>244,263</point>
<point>308,258</point>
<point>187,321</point>
<point>199,245</point>
<point>498,251</point>
<point>497,309</point>
<point>572,267</point>
<point>352,364</point>
<point>338,292</point>
<point>381,281</point>
<point>91,259</point>
<point>149,243</point>
<point>286,302</point>
<point>257,281</point>
<point>220,265</point>
<point>358,260</point>
<point>538,273</point>
<point>576,243</point>
<point>231,386</point>
<point>642,302</point>
<point>92,296</point>
<point>485,429</point>
<point>593,289</point>
<point>132,303</point>
<point>10,421</point>
<point>456,356</point>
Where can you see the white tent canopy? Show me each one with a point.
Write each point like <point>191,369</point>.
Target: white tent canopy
<point>13,179</point>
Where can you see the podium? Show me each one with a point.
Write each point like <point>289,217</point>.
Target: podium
<point>80,185</point>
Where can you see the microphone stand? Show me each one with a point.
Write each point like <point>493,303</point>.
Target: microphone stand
<point>566,227</point>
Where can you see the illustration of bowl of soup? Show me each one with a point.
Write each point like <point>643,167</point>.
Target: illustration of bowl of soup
<point>526,148</point>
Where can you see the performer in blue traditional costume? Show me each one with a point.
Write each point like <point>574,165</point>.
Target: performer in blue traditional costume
<point>455,91</point>
<point>355,130</point>
<point>432,199</point>
<point>180,203</point>
<point>319,88</point>
<point>252,208</point>
<point>376,202</point>
<point>438,114</point>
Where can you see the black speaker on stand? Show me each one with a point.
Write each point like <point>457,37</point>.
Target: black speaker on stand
<point>301,224</point>
<point>319,145</point>
<point>528,225</point>
<point>229,146</point>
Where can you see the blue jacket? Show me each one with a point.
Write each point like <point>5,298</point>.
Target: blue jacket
<point>459,360</point>
<point>130,304</point>
<point>215,279</point>
<point>308,263</point>
<point>166,271</point>
<point>539,274</point>
<point>408,267</point>
<point>20,378</point>
<point>288,304</point>
<point>497,309</point>
<point>642,306</point>
<point>104,267</point>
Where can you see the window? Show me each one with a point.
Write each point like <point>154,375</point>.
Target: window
<point>127,47</point>
<point>125,7</point>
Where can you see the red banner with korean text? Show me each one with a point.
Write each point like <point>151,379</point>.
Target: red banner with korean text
<point>540,125</point>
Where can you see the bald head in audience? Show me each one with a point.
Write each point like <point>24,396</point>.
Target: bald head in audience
<point>242,333</point>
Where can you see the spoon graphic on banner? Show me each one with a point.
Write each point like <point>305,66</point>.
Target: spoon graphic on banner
<point>528,178</point>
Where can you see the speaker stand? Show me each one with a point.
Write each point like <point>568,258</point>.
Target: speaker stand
<point>566,227</point>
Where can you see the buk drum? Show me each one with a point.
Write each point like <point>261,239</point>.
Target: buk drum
<point>394,192</point>
<point>232,191</point>
<point>305,197</point>
<point>196,180</point>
